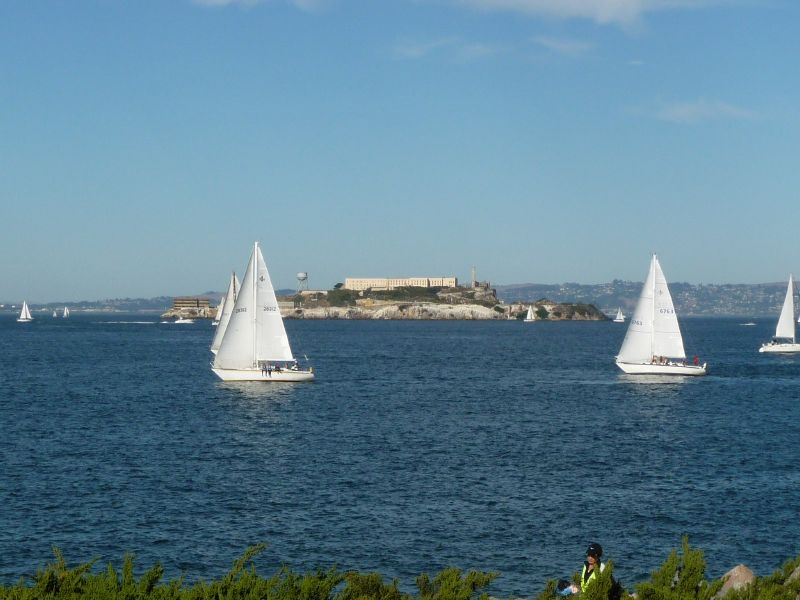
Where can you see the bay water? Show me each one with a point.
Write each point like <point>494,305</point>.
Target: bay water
<point>423,444</point>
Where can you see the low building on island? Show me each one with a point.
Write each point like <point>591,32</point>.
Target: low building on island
<point>195,307</point>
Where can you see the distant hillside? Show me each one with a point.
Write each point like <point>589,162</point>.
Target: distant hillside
<point>760,299</point>
<point>725,299</point>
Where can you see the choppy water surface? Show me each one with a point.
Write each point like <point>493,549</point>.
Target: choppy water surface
<point>490,445</point>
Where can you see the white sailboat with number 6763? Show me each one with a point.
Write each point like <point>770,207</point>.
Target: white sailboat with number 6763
<point>254,346</point>
<point>653,344</point>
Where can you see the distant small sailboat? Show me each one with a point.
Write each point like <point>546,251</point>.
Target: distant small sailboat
<point>653,343</point>
<point>531,316</point>
<point>620,318</point>
<point>218,314</point>
<point>183,321</point>
<point>784,339</point>
<point>225,310</point>
<point>55,314</point>
<point>25,313</point>
<point>66,313</point>
<point>255,346</point>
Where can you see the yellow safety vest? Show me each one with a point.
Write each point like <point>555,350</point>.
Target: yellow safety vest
<point>584,581</point>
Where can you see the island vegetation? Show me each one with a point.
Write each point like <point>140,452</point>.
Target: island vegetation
<point>681,577</point>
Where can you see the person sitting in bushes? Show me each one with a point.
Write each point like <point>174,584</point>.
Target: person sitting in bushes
<point>591,567</point>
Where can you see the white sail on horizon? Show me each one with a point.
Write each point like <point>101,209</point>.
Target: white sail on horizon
<point>220,308</point>
<point>25,313</point>
<point>66,312</point>
<point>226,307</point>
<point>785,328</point>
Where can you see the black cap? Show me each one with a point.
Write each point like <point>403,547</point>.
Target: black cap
<point>595,550</point>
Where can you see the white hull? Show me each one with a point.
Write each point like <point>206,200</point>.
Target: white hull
<point>785,348</point>
<point>24,320</point>
<point>622,320</point>
<point>259,375</point>
<point>529,321</point>
<point>657,369</point>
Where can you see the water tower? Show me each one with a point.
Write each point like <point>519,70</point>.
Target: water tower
<point>302,282</point>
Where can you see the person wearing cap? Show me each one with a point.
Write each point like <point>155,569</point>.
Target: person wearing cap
<point>591,567</point>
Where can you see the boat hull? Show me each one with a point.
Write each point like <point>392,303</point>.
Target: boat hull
<point>657,369</point>
<point>259,375</point>
<point>24,320</point>
<point>619,320</point>
<point>780,348</point>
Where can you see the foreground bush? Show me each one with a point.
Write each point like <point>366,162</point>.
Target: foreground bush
<point>680,577</point>
<point>58,582</point>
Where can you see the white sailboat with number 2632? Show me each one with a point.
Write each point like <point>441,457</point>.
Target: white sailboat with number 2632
<point>254,346</point>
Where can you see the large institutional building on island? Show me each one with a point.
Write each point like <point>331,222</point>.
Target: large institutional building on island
<point>383,283</point>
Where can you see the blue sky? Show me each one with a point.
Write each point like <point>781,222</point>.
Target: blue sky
<point>145,144</point>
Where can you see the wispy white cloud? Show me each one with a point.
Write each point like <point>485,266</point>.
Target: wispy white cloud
<point>702,110</point>
<point>306,5</point>
<point>601,11</point>
<point>413,49</point>
<point>565,46</point>
<point>452,47</point>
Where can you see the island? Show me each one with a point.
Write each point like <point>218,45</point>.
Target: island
<point>428,303</point>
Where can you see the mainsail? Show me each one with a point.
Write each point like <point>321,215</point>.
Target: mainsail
<point>653,329</point>
<point>785,328</point>
<point>255,331</point>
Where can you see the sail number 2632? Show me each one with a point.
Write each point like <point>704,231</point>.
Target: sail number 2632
<point>270,308</point>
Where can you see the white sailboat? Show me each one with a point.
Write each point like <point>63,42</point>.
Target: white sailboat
<point>25,313</point>
<point>254,345</point>
<point>55,314</point>
<point>784,339</point>
<point>218,314</point>
<point>653,344</point>
<point>224,311</point>
<point>531,316</point>
<point>620,318</point>
<point>66,313</point>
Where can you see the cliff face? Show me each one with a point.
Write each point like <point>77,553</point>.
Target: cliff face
<point>432,310</point>
<point>415,310</point>
<point>190,313</point>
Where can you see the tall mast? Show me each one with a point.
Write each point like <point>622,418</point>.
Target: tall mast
<point>653,319</point>
<point>255,307</point>
<point>794,327</point>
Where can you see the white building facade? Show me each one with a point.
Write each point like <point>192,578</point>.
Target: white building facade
<point>386,283</point>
